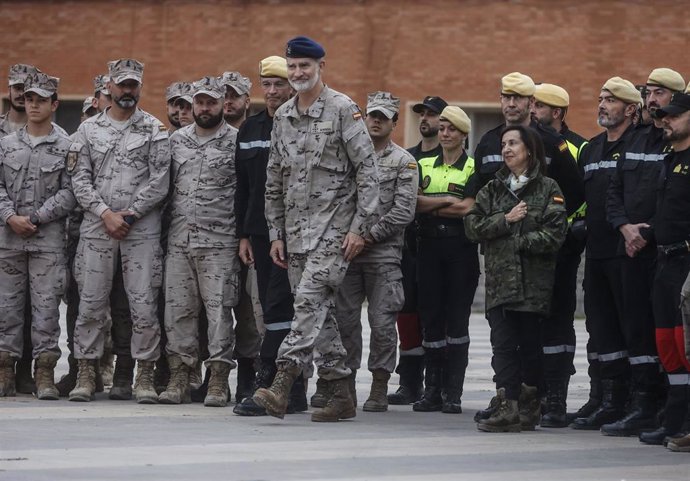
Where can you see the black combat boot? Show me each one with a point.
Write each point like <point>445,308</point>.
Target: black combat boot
<point>454,378</point>
<point>612,408</point>
<point>592,403</point>
<point>554,415</point>
<point>246,374</point>
<point>675,414</point>
<point>432,399</point>
<point>411,370</point>
<point>642,417</point>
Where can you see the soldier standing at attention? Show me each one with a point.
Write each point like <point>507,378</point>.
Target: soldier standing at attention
<point>202,246</point>
<point>375,274</point>
<point>321,201</point>
<point>236,98</point>
<point>120,179</point>
<point>34,199</point>
<point>172,93</point>
<point>101,92</point>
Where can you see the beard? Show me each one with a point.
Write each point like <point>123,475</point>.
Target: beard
<point>208,121</point>
<point>610,120</point>
<point>126,101</point>
<point>174,121</point>
<point>16,107</point>
<point>305,85</point>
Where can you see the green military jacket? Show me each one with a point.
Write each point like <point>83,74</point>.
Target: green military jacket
<point>520,258</point>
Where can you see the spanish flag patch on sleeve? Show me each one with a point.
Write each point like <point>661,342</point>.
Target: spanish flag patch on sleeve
<point>558,199</point>
<point>356,112</point>
<point>563,146</point>
<point>412,166</point>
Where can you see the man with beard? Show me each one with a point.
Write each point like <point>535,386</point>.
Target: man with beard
<point>10,122</point>
<point>618,104</point>
<point>120,163</point>
<point>172,93</point>
<point>101,92</point>
<point>202,246</point>
<point>184,105</point>
<point>253,146</point>
<point>550,107</point>
<point>558,334</point>
<point>411,363</point>
<point>321,200</point>
<point>236,98</point>
<point>631,206</point>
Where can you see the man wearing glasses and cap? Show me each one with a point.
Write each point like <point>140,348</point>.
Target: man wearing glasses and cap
<point>321,201</point>
<point>119,162</point>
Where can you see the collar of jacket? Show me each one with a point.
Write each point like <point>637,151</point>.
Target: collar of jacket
<point>504,174</point>
<point>104,120</point>
<point>315,110</point>
<point>23,135</point>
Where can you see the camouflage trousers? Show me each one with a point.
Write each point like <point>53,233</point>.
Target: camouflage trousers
<point>142,275</point>
<point>247,316</point>
<point>43,275</point>
<point>685,313</point>
<point>381,285</point>
<point>196,278</point>
<point>314,279</point>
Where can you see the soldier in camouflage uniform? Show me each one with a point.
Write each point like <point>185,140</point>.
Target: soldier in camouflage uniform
<point>120,163</point>
<point>321,198</point>
<point>101,92</point>
<point>34,199</point>
<point>520,218</point>
<point>375,274</point>
<point>202,265</point>
<point>184,105</point>
<point>236,98</point>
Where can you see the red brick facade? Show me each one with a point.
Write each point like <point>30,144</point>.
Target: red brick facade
<point>458,49</point>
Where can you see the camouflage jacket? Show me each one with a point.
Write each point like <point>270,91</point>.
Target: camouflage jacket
<point>33,180</point>
<point>398,183</point>
<point>322,179</point>
<point>202,201</point>
<point>5,126</point>
<point>520,258</point>
<point>126,169</point>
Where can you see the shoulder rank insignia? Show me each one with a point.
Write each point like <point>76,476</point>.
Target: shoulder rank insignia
<point>558,199</point>
<point>72,158</point>
<point>563,146</point>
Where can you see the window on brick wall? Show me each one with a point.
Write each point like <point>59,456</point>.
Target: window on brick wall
<point>68,113</point>
<point>484,117</point>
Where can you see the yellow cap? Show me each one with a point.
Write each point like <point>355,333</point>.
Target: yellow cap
<point>517,84</point>
<point>457,117</point>
<point>665,77</point>
<point>273,66</point>
<point>623,90</point>
<point>552,95</point>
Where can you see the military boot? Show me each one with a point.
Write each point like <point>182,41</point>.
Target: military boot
<point>505,418</point>
<point>23,380</point>
<point>264,378</point>
<point>323,392</point>
<point>178,390</point>
<point>529,407</point>
<point>339,405</point>
<point>45,376</point>
<point>680,445</point>
<point>7,380</point>
<point>612,408</point>
<point>642,416</point>
<point>378,400</point>
<point>411,370</point>
<point>85,390</point>
<point>592,403</point>
<point>246,374</point>
<point>556,393</point>
<point>352,386</point>
<point>454,378</point>
<point>105,367</point>
<point>275,398</point>
<point>121,389</point>
<point>432,399</point>
<point>69,380</point>
<point>486,413</point>
<point>675,413</point>
<point>161,374</point>
<point>218,389</point>
<point>297,403</point>
<point>144,390</point>
<point>199,386</point>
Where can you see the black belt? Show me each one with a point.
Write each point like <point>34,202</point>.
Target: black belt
<point>673,250</point>
<point>440,231</point>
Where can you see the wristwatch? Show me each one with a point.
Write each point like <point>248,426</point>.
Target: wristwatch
<point>35,220</point>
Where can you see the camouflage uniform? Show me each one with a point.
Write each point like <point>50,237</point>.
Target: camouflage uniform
<point>117,169</point>
<point>321,183</point>
<point>375,274</point>
<point>202,266</point>
<point>33,181</point>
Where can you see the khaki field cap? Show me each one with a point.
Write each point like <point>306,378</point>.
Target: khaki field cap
<point>19,72</point>
<point>517,84</point>
<point>552,95</point>
<point>99,84</point>
<point>383,102</point>
<point>623,90</point>
<point>211,86</point>
<point>186,92</point>
<point>125,69</point>
<point>273,66</point>
<point>88,103</point>
<point>665,77</point>
<point>41,84</point>
<point>173,91</point>
<point>238,82</point>
<point>457,117</point>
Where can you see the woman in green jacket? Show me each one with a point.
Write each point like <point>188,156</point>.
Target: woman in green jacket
<point>520,219</point>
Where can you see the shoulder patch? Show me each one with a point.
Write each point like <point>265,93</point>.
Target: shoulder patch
<point>558,199</point>
<point>563,146</point>
<point>426,181</point>
<point>356,112</point>
<point>71,162</point>
<point>412,166</point>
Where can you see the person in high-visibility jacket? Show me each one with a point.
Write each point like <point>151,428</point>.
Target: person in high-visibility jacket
<point>447,263</point>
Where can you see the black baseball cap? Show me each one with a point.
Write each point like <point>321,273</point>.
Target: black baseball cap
<point>437,104</point>
<point>679,103</point>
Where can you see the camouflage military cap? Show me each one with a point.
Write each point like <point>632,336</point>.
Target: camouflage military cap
<point>237,81</point>
<point>89,102</point>
<point>125,69</point>
<point>186,92</point>
<point>211,86</point>
<point>19,72</point>
<point>41,84</point>
<point>173,91</point>
<point>383,102</point>
<point>100,84</point>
